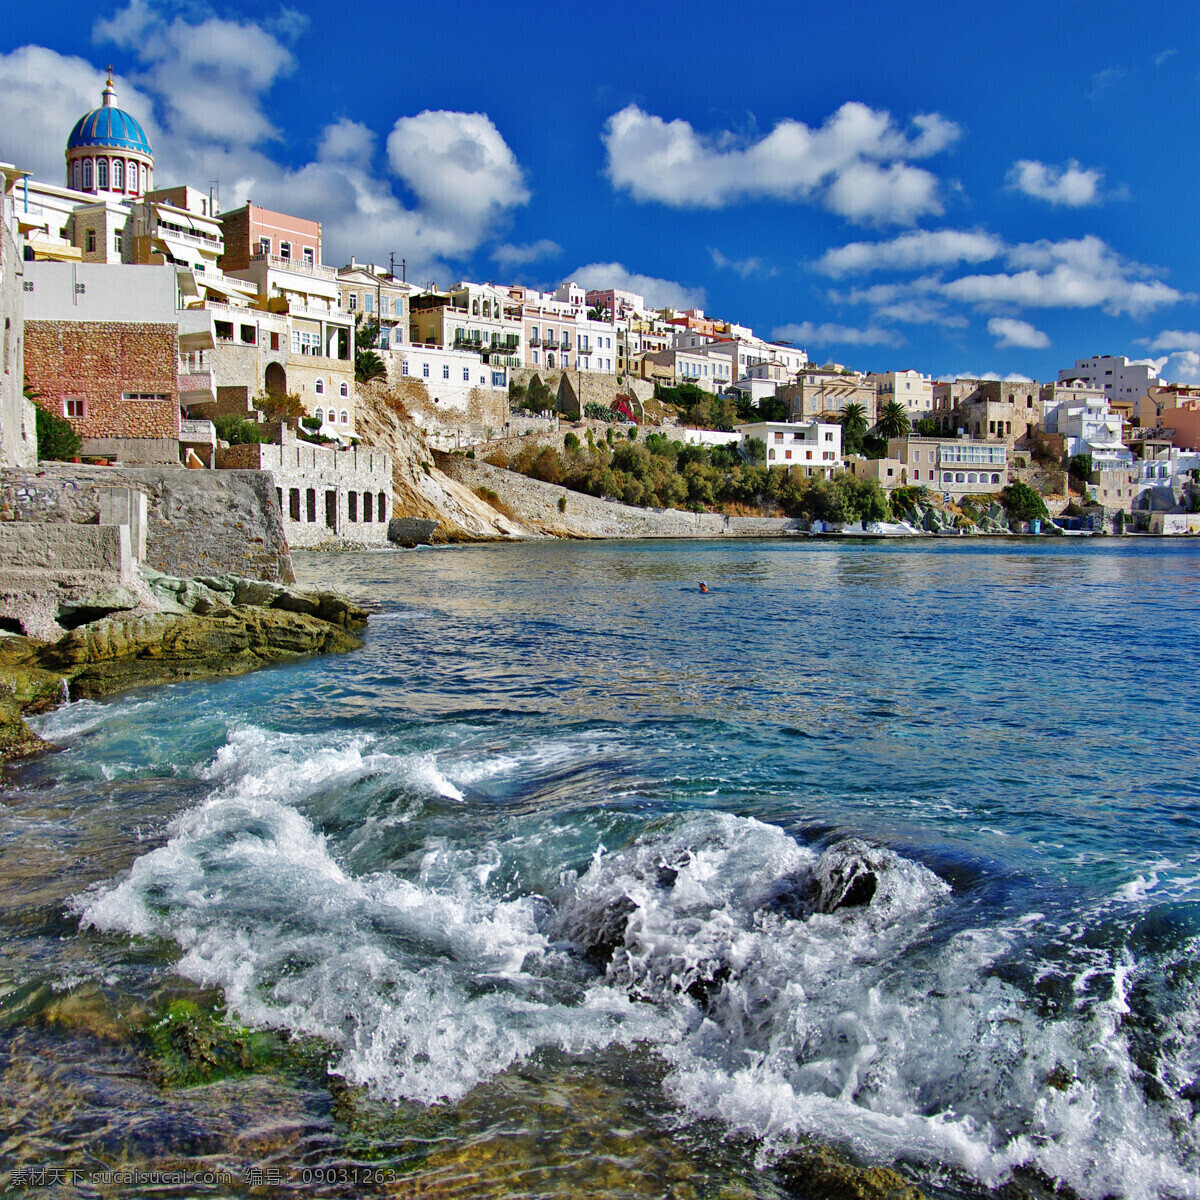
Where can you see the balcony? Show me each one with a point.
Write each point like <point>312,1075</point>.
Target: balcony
<point>198,432</point>
<point>535,341</point>
<point>316,270</point>
<point>215,245</point>
<point>196,386</point>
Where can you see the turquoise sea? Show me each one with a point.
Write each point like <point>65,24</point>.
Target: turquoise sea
<point>577,881</point>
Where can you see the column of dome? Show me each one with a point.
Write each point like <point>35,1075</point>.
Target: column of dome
<point>108,151</point>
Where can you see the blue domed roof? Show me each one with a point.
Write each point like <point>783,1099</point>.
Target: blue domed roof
<point>110,127</point>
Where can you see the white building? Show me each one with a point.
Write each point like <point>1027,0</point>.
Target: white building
<point>1088,426</point>
<point>956,466</point>
<point>1120,378</point>
<point>814,446</point>
<point>910,388</point>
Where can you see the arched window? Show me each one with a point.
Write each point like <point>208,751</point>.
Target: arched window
<point>133,177</point>
<point>102,174</point>
<point>971,477</point>
<point>319,387</point>
<point>995,478</point>
<point>958,477</point>
<point>87,174</point>
<point>75,174</point>
<point>345,417</point>
<point>382,514</point>
<point>118,174</point>
<point>344,390</point>
<point>320,415</point>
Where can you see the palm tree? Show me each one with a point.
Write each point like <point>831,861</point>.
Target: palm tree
<point>893,420</point>
<point>853,418</point>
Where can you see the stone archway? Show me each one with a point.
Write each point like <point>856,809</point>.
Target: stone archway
<point>275,380</point>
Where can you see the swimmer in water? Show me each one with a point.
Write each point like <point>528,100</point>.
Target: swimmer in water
<point>703,586</point>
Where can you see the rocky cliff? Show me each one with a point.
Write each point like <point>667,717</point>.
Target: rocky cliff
<point>420,489</point>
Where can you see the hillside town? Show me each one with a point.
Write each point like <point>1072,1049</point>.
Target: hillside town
<point>159,330</point>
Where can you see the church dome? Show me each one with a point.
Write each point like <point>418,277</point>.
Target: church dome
<point>109,127</point>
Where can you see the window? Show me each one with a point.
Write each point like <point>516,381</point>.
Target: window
<point>353,302</point>
<point>157,396</point>
<point>87,174</point>
<point>294,503</point>
<point>119,174</point>
<point>285,251</point>
<point>117,242</point>
<point>75,174</point>
<point>101,173</point>
<point>343,390</point>
<point>404,367</point>
<point>384,339</point>
<point>466,374</point>
<point>368,303</point>
<point>310,504</point>
<point>264,245</point>
<point>308,256</point>
<point>352,505</point>
<point>91,241</point>
<point>319,413</point>
<point>382,507</point>
<point>788,454</point>
<point>274,341</point>
<point>248,335</point>
<point>319,387</point>
<point>73,406</point>
<point>368,505</point>
<point>445,370</point>
<point>223,330</point>
<point>425,370</point>
<point>345,417</point>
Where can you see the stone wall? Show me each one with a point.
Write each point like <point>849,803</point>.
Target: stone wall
<point>99,362</point>
<point>200,522</point>
<point>537,504</point>
<point>326,497</point>
<point>586,387</point>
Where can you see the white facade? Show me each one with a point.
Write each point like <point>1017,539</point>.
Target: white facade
<point>1120,379</point>
<point>1089,427</point>
<point>814,446</point>
<point>449,375</point>
<point>910,388</point>
<point>955,466</point>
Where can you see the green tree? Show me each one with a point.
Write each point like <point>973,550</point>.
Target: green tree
<point>756,450</point>
<point>56,436</point>
<point>893,420</point>
<point>926,427</point>
<point>1081,467</point>
<point>854,424</point>
<point>237,431</point>
<point>367,363</point>
<point>1021,502</point>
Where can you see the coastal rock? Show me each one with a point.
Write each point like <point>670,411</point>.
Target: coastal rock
<point>818,1173</point>
<point>122,652</point>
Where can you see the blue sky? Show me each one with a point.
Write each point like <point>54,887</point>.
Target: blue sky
<point>963,188</point>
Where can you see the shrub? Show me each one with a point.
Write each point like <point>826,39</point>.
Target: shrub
<point>489,497</point>
<point>56,437</point>
<point>1022,503</point>
<point>470,453</point>
<point>571,444</point>
<point>632,434</point>
<point>562,504</point>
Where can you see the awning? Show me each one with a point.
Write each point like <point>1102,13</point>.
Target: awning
<point>55,251</point>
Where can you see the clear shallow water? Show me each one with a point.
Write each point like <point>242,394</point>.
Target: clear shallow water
<point>565,817</point>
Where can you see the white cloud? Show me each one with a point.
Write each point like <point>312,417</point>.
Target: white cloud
<point>1016,333</point>
<point>1184,367</point>
<point>209,80</point>
<point>520,256</point>
<point>1074,273</point>
<point>855,164</point>
<point>912,252</point>
<point>827,334</point>
<point>1072,185</point>
<point>459,168</point>
<point>1010,378</point>
<point>658,293</point>
<point>745,267</point>
<point>1172,339</point>
<point>920,312</point>
<point>1163,56</point>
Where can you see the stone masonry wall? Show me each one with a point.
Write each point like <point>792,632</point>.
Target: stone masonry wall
<point>327,498</point>
<point>200,522</point>
<point>98,361</point>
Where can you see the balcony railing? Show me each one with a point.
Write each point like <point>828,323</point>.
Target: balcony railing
<point>193,239</point>
<point>316,270</point>
<point>197,431</point>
